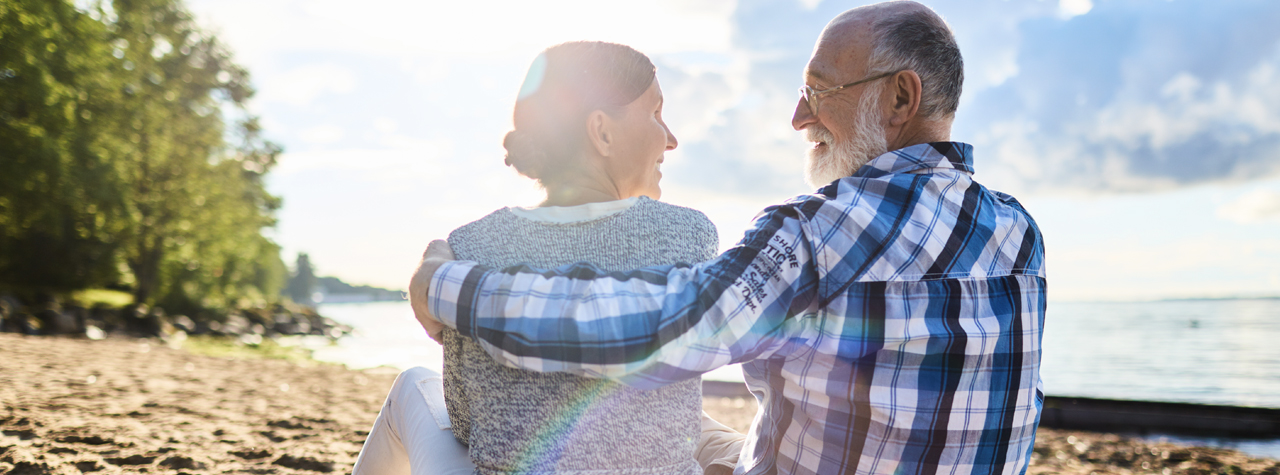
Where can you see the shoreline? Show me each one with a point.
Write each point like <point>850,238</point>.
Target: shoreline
<point>125,405</point>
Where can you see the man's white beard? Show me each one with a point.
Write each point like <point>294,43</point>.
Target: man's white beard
<point>839,160</point>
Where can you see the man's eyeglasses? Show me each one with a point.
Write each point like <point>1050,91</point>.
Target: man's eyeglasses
<point>810,96</point>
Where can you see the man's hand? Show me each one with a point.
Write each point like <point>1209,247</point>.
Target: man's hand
<point>438,252</point>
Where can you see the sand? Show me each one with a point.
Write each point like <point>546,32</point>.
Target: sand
<point>122,405</point>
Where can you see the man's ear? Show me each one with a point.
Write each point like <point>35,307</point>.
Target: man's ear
<point>600,132</point>
<point>906,88</point>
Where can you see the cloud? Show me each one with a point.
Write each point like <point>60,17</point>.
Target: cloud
<point>385,125</point>
<point>1073,94</point>
<point>395,158</point>
<point>399,29</point>
<point>1255,206</point>
<point>1136,95</point>
<point>322,134</point>
<point>366,213</point>
<point>732,111</point>
<point>1073,8</point>
<point>1125,269</point>
<point>740,102</point>
<point>302,85</point>
<point>735,137</point>
<point>1127,95</point>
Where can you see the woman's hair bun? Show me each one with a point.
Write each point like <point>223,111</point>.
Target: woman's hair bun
<point>528,157</point>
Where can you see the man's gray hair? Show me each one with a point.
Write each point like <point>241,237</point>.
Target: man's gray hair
<point>921,41</point>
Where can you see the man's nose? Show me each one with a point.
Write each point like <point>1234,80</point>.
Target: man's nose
<point>802,117</point>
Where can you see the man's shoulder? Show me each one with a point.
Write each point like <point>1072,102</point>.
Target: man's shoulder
<point>894,189</point>
<point>888,227</point>
<point>849,194</point>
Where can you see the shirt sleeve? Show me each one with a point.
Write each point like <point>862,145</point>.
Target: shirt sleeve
<point>648,327</point>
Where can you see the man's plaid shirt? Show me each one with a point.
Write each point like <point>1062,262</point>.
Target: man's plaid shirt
<point>889,323</point>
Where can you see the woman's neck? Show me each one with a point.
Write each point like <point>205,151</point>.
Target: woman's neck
<point>578,195</point>
<point>586,185</point>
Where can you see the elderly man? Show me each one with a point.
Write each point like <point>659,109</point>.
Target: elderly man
<point>889,323</point>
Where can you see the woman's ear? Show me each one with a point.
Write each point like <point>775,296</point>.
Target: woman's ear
<point>600,132</point>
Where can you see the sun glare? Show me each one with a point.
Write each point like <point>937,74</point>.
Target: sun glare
<point>520,27</point>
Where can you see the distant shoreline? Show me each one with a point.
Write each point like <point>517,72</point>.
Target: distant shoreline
<point>1165,299</point>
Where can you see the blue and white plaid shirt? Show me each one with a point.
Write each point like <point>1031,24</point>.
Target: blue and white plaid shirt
<point>889,323</point>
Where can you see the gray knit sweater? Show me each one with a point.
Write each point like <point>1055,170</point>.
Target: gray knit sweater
<point>517,421</point>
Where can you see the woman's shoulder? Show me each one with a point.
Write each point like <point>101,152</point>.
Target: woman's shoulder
<point>480,229</point>
<point>684,224</point>
<point>678,213</point>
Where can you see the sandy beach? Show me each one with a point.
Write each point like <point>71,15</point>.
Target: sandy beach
<point>122,405</point>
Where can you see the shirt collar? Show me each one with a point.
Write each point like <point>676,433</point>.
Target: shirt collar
<point>574,214</point>
<point>954,155</point>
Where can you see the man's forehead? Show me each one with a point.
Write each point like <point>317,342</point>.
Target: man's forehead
<point>838,54</point>
<point>845,44</point>
<point>813,72</point>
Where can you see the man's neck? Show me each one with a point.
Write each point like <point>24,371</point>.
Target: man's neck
<point>920,132</point>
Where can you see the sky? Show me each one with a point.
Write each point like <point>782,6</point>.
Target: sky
<point>1142,135</point>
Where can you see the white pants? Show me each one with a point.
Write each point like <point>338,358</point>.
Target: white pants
<point>411,434</point>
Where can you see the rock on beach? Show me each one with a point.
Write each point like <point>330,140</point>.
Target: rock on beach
<point>47,315</point>
<point>128,405</point>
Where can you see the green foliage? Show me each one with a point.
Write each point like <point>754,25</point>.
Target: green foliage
<point>303,283</point>
<point>230,347</point>
<point>89,298</point>
<point>116,169</point>
<point>60,206</point>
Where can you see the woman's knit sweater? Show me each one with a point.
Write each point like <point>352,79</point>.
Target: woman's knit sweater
<point>517,421</point>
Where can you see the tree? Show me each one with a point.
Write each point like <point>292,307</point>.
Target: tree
<point>304,281</point>
<point>60,198</point>
<point>118,166</point>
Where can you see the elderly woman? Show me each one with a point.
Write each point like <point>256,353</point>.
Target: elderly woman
<point>589,129</point>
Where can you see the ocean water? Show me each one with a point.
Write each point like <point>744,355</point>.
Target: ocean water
<point>1223,352</point>
<point>385,334</point>
<point>1202,351</point>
